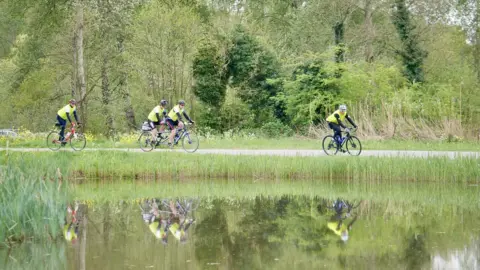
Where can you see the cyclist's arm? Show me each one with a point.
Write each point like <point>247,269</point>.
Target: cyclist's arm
<point>349,226</point>
<point>188,118</point>
<point>75,115</point>
<point>179,116</point>
<point>351,121</point>
<point>68,117</point>
<point>338,120</point>
<point>158,116</point>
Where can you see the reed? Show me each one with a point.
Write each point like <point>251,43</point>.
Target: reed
<point>167,166</point>
<point>33,201</point>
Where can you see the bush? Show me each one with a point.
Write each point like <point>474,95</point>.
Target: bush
<point>276,129</point>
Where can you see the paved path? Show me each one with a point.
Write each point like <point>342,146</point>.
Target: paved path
<point>284,152</point>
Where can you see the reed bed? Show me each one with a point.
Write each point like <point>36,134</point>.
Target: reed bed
<point>168,166</point>
<point>32,200</point>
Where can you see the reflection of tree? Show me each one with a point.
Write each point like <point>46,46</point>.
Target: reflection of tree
<point>251,246</point>
<point>212,240</point>
<point>416,254</point>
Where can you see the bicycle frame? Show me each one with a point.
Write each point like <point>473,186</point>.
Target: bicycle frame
<point>67,138</point>
<point>345,139</point>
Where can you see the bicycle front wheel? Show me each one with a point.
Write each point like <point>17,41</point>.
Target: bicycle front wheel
<point>78,142</point>
<point>53,142</point>
<point>354,147</point>
<point>329,145</point>
<point>190,142</point>
<point>145,141</point>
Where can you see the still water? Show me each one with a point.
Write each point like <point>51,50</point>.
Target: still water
<point>277,232</point>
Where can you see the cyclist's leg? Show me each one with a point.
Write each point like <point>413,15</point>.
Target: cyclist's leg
<point>171,124</point>
<point>337,134</point>
<point>63,124</point>
<point>162,126</point>
<point>154,131</point>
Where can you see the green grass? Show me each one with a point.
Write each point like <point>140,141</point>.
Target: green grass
<point>245,142</point>
<point>166,166</point>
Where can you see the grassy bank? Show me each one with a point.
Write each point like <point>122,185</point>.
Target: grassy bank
<point>254,142</point>
<point>177,166</point>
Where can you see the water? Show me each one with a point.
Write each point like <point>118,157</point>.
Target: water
<point>262,232</point>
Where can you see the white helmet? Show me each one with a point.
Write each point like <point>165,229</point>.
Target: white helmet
<point>342,108</point>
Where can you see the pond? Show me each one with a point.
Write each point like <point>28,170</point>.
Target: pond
<point>262,232</point>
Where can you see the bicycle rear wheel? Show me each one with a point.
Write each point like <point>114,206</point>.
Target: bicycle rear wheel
<point>145,141</point>
<point>190,142</point>
<point>52,140</point>
<point>78,142</point>
<point>329,145</point>
<point>354,147</point>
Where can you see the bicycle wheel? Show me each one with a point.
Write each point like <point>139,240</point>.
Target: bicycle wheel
<point>329,145</point>
<point>145,141</point>
<point>354,147</point>
<point>52,140</point>
<point>78,141</point>
<point>190,142</point>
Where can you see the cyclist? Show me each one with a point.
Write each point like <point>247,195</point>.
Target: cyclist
<point>336,223</point>
<point>154,119</point>
<point>174,119</point>
<point>63,114</point>
<point>335,121</point>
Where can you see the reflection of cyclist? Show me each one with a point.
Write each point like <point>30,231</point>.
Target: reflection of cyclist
<point>335,121</point>
<point>178,223</point>
<point>154,119</point>
<point>174,119</point>
<point>63,114</point>
<point>337,225</point>
<point>70,229</point>
<point>336,222</point>
<point>156,228</point>
<point>154,220</point>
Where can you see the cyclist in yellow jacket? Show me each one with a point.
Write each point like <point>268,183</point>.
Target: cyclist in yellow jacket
<point>174,119</point>
<point>155,119</point>
<point>63,114</point>
<point>335,121</point>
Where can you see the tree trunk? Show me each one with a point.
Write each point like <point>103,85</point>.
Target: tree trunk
<point>369,31</point>
<point>106,97</point>
<point>74,59</point>
<point>476,50</point>
<point>80,64</point>
<point>129,112</point>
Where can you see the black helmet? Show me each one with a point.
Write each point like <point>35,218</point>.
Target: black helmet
<point>163,102</point>
<point>181,102</point>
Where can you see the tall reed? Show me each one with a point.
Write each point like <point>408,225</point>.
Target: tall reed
<point>32,202</point>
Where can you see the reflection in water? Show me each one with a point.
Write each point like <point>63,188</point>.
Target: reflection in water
<point>288,232</point>
<point>340,222</point>
<point>164,216</point>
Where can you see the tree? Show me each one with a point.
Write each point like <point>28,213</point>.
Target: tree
<point>209,75</point>
<point>411,53</point>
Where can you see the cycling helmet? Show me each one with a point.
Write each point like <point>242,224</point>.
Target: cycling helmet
<point>163,102</point>
<point>181,102</point>
<point>72,101</point>
<point>342,108</point>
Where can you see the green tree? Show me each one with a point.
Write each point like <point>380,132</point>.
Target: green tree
<point>411,53</point>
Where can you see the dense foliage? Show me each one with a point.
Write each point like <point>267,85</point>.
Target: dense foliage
<point>405,69</point>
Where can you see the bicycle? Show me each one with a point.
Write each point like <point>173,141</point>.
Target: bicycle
<point>77,140</point>
<point>189,140</point>
<point>352,144</point>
